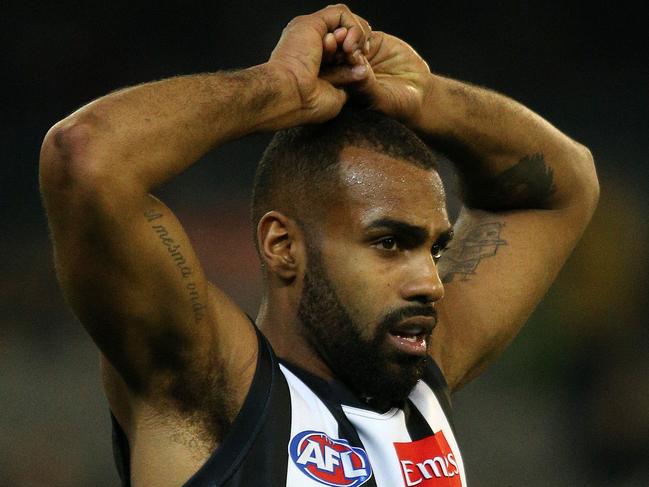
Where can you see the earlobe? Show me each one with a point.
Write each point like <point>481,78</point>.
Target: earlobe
<point>276,234</point>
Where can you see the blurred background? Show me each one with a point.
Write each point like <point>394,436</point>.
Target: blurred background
<point>567,405</point>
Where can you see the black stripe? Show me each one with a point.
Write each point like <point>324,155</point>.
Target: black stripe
<point>244,458</point>
<point>266,463</point>
<point>434,378</point>
<point>347,431</point>
<point>418,428</point>
<point>224,467</point>
<point>121,453</point>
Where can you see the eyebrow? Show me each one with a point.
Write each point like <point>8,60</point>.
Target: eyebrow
<point>408,230</point>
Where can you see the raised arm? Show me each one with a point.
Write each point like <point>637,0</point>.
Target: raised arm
<point>528,192</point>
<point>123,260</point>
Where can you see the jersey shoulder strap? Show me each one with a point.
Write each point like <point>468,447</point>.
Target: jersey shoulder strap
<point>249,438</point>
<point>434,379</point>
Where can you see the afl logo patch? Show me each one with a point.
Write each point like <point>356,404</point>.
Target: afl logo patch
<point>329,461</point>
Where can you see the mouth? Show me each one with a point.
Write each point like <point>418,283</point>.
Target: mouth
<point>411,335</point>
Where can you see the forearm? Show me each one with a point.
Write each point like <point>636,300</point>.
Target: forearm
<point>147,134</point>
<point>507,156</point>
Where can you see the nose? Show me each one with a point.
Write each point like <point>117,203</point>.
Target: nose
<point>423,283</point>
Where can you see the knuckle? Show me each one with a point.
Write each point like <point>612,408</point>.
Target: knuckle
<point>341,8</point>
<point>295,20</point>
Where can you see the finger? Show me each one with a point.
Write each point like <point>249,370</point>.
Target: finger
<point>329,43</point>
<point>345,74</point>
<point>336,16</point>
<point>354,40</point>
<point>329,47</point>
<point>376,40</point>
<point>342,96</point>
<point>339,34</point>
<point>338,94</point>
<point>367,30</point>
<point>332,100</point>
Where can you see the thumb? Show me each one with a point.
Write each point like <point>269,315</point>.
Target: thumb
<point>330,102</point>
<point>345,74</point>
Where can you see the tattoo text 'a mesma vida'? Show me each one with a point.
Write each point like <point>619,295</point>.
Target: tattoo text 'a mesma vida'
<point>179,260</point>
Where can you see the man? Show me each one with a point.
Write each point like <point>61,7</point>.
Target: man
<point>366,322</point>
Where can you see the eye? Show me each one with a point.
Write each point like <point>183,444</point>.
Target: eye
<point>437,250</point>
<point>387,243</point>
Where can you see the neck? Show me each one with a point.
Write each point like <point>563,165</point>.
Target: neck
<point>282,328</point>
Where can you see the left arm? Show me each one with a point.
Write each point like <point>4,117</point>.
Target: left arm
<point>528,193</point>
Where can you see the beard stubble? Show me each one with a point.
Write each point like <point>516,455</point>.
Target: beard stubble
<point>381,377</point>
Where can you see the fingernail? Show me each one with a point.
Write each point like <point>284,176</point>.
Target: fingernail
<point>359,71</point>
<point>367,46</point>
<point>356,56</point>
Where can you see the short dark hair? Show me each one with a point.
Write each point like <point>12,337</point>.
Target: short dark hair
<point>297,172</point>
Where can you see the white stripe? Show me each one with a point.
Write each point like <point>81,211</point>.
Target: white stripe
<point>378,432</point>
<point>308,412</point>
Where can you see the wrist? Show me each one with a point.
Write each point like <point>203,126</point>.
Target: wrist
<point>433,117</point>
<point>284,107</point>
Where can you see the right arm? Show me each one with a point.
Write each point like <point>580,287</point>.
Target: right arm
<point>123,260</point>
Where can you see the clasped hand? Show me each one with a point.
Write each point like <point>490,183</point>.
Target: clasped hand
<point>333,55</point>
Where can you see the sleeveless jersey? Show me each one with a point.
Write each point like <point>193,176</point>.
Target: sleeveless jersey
<point>298,430</point>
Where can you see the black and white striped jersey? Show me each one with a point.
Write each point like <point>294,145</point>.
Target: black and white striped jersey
<point>297,430</point>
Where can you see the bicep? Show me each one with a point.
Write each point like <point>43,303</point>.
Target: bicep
<point>129,272</point>
<point>495,272</point>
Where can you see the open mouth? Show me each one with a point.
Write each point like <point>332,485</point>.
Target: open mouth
<point>411,335</point>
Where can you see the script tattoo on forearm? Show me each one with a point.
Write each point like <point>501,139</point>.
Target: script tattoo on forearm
<point>175,252</point>
<point>466,253</point>
<point>527,184</point>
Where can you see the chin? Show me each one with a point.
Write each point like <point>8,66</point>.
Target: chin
<point>389,383</point>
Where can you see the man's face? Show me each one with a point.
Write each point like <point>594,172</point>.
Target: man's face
<point>371,282</point>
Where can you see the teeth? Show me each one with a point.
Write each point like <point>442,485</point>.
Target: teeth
<point>410,332</point>
<point>411,338</point>
<point>416,339</point>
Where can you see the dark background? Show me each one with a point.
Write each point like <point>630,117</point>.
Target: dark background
<point>567,405</point>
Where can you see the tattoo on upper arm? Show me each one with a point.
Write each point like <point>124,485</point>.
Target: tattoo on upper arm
<point>466,253</point>
<point>527,184</point>
<point>175,252</point>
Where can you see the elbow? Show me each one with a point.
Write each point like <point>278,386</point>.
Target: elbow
<point>69,158</point>
<point>580,193</point>
<point>63,153</point>
<point>589,183</point>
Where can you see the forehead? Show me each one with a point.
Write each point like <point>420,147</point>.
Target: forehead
<point>374,185</point>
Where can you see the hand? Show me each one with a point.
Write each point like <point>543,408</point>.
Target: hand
<point>300,53</point>
<point>397,82</point>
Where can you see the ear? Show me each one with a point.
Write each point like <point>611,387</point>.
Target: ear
<point>280,244</point>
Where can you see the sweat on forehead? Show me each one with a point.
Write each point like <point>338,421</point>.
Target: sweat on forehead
<point>297,172</point>
<point>365,174</point>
